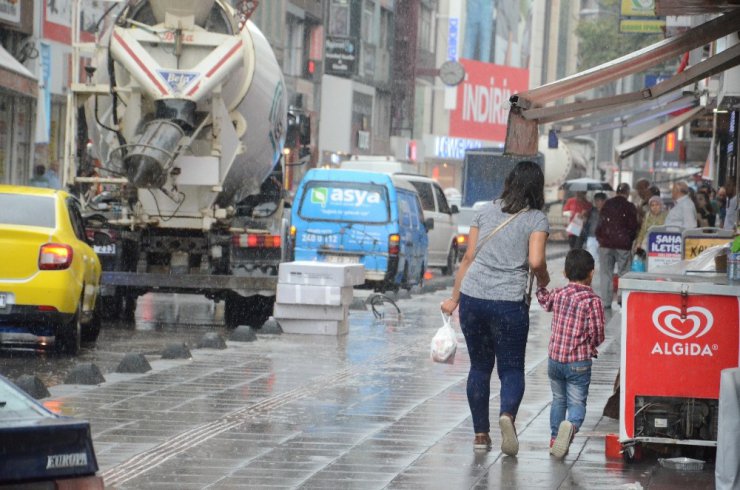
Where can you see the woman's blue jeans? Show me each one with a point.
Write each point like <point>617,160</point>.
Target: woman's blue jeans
<point>494,331</point>
<point>569,383</point>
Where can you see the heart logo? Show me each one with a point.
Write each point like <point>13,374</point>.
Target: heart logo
<point>697,323</point>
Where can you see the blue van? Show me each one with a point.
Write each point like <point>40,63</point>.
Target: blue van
<point>348,216</point>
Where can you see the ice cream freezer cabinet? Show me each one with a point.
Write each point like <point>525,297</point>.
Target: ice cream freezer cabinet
<point>678,333</point>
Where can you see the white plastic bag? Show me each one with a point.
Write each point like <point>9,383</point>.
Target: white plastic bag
<point>444,342</point>
<point>575,227</point>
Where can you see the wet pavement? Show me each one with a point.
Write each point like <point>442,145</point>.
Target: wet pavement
<point>365,410</point>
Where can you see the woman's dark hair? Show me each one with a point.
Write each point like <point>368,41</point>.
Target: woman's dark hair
<point>524,187</point>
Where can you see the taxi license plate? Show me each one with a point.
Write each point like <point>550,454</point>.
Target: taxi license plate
<point>109,249</point>
<point>343,259</point>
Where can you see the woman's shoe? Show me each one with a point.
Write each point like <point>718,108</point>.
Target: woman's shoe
<point>509,441</point>
<point>482,442</point>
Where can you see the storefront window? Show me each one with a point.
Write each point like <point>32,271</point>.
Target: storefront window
<point>15,139</point>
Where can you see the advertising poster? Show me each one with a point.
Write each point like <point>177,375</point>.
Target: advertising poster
<point>664,248</point>
<point>482,109</point>
<point>676,346</point>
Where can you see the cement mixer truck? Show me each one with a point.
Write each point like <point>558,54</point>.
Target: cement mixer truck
<point>182,120</point>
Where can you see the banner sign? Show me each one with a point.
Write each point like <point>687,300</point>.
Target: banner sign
<point>482,109</point>
<point>664,248</point>
<point>340,56</point>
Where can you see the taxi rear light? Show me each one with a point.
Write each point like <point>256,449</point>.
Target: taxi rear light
<point>55,256</point>
<point>47,308</point>
<point>461,239</point>
<point>292,231</point>
<point>256,241</point>
<point>394,242</point>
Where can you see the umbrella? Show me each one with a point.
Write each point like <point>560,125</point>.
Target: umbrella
<point>586,184</point>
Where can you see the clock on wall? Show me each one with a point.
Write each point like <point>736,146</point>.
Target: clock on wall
<point>451,73</point>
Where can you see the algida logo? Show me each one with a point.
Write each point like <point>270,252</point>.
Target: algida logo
<point>319,195</point>
<point>668,321</point>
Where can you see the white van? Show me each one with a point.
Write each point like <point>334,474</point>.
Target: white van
<point>443,251</point>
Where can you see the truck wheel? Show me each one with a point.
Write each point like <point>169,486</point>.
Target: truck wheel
<point>233,311</point>
<point>110,306</point>
<point>129,307</point>
<point>67,338</point>
<point>90,332</point>
<point>253,311</point>
<point>451,261</point>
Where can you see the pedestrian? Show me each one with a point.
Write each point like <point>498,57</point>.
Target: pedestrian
<point>722,202</point>
<point>704,210</point>
<point>616,231</point>
<point>491,290</point>
<point>577,330</point>
<point>52,175</point>
<point>642,187</point>
<point>39,178</point>
<point>592,245</point>
<point>731,218</point>
<point>577,209</point>
<point>655,217</point>
<point>683,212</point>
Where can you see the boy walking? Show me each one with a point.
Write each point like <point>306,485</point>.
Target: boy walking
<point>577,330</point>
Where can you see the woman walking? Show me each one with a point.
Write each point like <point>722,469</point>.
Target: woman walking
<point>491,290</point>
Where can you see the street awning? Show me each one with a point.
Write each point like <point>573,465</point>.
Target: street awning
<point>16,77</point>
<point>633,145</point>
<point>529,109</point>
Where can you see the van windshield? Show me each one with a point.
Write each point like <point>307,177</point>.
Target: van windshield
<point>348,202</point>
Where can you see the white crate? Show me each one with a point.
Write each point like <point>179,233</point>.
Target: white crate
<point>297,294</point>
<point>309,312</point>
<point>321,274</point>
<point>315,327</point>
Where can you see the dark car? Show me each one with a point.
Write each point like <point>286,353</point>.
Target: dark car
<point>40,449</point>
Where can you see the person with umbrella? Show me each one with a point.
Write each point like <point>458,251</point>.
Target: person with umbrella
<point>577,209</point>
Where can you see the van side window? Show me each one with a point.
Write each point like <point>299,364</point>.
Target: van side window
<point>425,195</point>
<point>417,216</point>
<point>404,209</point>
<point>441,200</point>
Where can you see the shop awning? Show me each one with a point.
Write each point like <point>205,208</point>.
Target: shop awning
<point>633,145</point>
<point>16,77</point>
<point>528,109</point>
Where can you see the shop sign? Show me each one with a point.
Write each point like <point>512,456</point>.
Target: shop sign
<point>695,245</point>
<point>482,109</point>
<point>340,56</point>
<point>10,11</point>
<point>453,33</point>
<point>664,248</point>
<point>638,8</point>
<point>453,148</point>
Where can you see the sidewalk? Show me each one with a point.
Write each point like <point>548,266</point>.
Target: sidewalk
<point>366,410</point>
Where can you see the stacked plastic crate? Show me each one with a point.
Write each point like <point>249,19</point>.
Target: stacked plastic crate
<point>314,297</point>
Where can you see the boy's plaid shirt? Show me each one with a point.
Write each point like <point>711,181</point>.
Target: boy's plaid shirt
<point>577,323</point>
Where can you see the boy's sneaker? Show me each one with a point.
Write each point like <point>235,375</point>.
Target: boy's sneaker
<point>560,447</point>
<point>552,441</point>
<point>509,441</point>
<point>482,442</point>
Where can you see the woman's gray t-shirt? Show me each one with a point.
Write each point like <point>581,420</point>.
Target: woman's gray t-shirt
<point>499,271</point>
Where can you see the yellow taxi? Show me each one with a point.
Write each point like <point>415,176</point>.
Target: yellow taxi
<point>49,275</point>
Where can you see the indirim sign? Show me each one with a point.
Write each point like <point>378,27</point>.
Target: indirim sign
<point>483,100</point>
